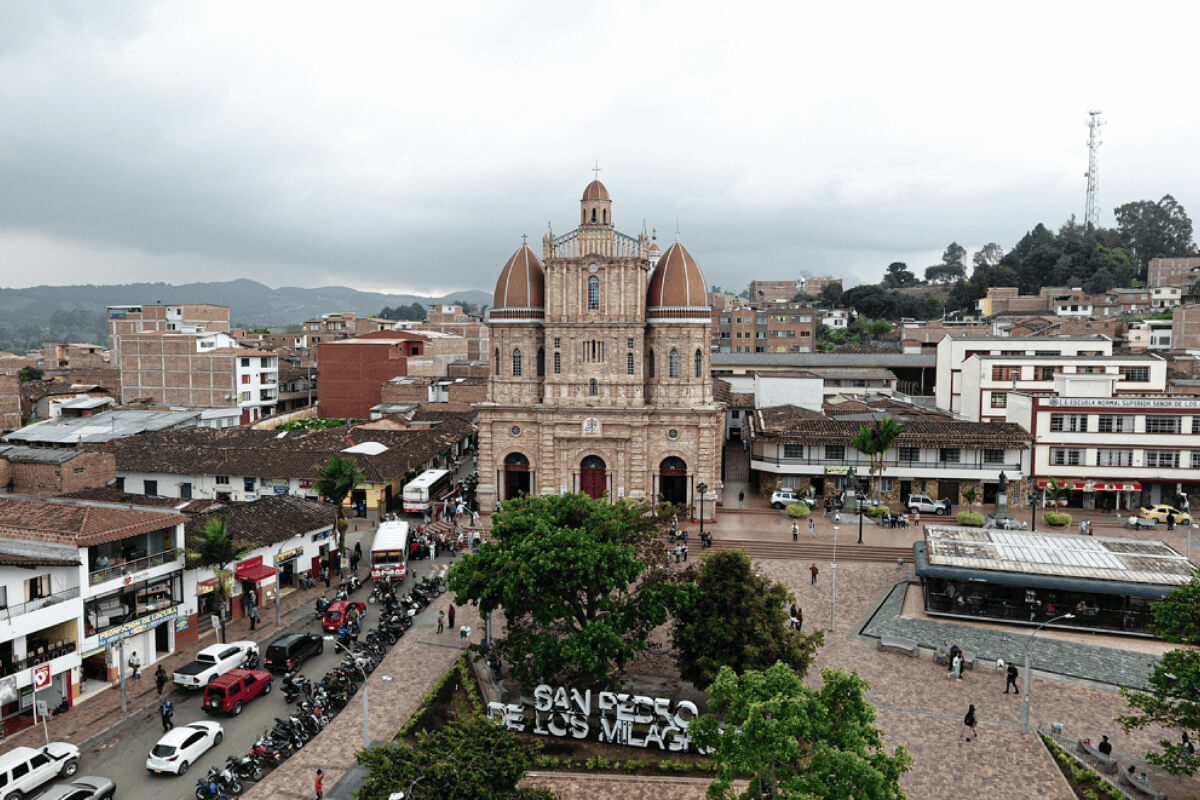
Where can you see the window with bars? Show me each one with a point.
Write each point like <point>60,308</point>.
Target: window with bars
<point>1003,373</point>
<point>1135,374</point>
<point>793,451</point>
<point>1158,424</point>
<point>1107,457</point>
<point>557,363</point>
<point>993,456</point>
<point>1064,456</point>
<point>593,292</point>
<point>516,359</point>
<point>999,399</point>
<point>950,455</point>
<point>1162,458</point>
<point>909,454</point>
<point>1195,460</point>
<point>673,364</point>
<point>593,387</point>
<point>1115,423</point>
<point>1073,423</point>
<point>629,363</point>
<point>835,452</point>
<point>699,364</point>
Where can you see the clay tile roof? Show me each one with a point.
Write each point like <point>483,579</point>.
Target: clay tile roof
<point>793,424</point>
<point>266,521</point>
<point>522,282</point>
<point>595,191</point>
<point>677,281</point>
<point>82,524</point>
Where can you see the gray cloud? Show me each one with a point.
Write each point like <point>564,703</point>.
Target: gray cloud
<point>408,149</point>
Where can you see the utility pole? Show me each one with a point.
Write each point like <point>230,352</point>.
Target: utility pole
<point>1091,212</point>
<point>121,673</point>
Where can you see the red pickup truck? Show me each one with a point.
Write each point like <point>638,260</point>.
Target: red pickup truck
<point>337,612</point>
<point>230,692</point>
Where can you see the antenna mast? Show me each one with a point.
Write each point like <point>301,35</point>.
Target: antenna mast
<point>1091,212</point>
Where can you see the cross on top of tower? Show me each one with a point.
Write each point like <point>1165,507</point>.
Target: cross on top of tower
<point>596,169</point>
<point>523,239</point>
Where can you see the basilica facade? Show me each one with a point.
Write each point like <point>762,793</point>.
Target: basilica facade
<point>600,379</point>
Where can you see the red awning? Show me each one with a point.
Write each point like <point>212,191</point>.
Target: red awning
<point>254,573</point>
<point>1094,486</point>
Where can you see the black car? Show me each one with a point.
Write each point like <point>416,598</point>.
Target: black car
<point>290,650</point>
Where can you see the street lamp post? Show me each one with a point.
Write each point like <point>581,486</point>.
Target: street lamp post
<point>1028,654</point>
<point>702,488</point>
<point>833,590</point>
<point>366,719</point>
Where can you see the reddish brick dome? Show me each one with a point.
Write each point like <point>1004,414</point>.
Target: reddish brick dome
<point>595,191</point>
<point>522,282</point>
<point>676,281</point>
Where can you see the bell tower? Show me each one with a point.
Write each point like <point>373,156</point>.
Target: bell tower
<point>595,209</point>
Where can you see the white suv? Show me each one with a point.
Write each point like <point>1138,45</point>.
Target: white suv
<point>925,504</point>
<point>25,769</point>
<point>787,497</point>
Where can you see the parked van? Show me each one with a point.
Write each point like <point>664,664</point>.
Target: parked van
<point>23,770</point>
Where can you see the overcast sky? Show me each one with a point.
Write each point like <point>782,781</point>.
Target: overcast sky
<point>407,147</point>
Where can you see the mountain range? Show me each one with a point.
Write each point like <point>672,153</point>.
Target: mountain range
<point>31,316</point>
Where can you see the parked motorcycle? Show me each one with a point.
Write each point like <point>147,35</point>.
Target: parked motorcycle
<point>247,767</point>
<point>292,685</point>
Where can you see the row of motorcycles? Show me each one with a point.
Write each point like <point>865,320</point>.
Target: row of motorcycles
<point>316,702</point>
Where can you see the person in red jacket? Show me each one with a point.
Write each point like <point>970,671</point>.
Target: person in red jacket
<point>319,785</point>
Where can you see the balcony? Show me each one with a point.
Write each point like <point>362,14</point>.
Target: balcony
<point>862,465</point>
<point>46,654</point>
<point>118,567</point>
<point>38,604</point>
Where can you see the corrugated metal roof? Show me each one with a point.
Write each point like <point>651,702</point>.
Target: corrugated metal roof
<point>1063,555</point>
<point>836,359</point>
<point>103,427</point>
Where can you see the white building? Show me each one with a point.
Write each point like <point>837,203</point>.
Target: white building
<point>838,318</point>
<point>1149,334</point>
<point>1164,297</point>
<point>1111,450</point>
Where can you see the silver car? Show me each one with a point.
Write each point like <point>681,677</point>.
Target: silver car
<point>87,787</point>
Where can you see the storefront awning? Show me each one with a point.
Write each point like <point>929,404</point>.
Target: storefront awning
<point>255,573</point>
<point>1093,486</point>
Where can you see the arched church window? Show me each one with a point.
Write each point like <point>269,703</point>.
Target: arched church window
<point>605,213</point>
<point>557,363</point>
<point>593,387</point>
<point>496,361</point>
<point>673,364</point>
<point>650,363</point>
<point>629,363</point>
<point>699,363</point>
<point>516,362</point>
<point>593,216</point>
<point>541,362</point>
<point>593,292</point>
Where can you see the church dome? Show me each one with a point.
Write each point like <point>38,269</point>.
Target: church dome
<point>595,191</point>
<point>522,282</point>
<point>676,281</point>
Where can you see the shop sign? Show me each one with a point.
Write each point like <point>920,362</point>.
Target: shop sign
<point>181,623</point>
<point>1094,486</point>
<point>316,537</point>
<point>138,625</point>
<point>837,470</point>
<point>41,677</point>
<point>207,587</point>
<point>630,720</point>
<point>1121,402</point>
<point>288,555</point>
<point>305,484</point>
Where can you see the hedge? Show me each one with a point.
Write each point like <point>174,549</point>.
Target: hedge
<point>798,510</point>
<point>972,519</point>
<point>1058,518</point>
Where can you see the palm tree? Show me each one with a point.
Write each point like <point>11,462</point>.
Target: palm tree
<point>335,480</point>
<point>875,440</point>
<point>217,547</point>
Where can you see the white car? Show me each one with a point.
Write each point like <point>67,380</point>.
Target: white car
<point>787,497</point>
<point>180,747</point>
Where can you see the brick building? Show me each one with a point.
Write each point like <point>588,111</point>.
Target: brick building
<point>753,328</point>
<point>764,292</point>
<point>419,389</point>
<point>600,370</point>
<point>74,356</point>
<point>353,371</point>
<point>44,472</point>
<point>1178,272</point>
<point>193,317</point>
<point>10,401</point>
<point>452,320</point>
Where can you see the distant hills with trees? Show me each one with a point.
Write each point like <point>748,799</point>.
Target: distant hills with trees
<point>29,317</point>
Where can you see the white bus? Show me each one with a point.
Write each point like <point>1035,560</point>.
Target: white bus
<point>389,551</point>
<point>422,490</point>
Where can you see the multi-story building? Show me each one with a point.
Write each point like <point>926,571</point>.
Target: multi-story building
<point>600,370</point>
<point>810,451</point>
<point>197,370</point>
<point>1149,334</point>
<point>53,471</point>
<point>1185,328</point>
<point>780,328</point>
<point>837,318</point>
<point>1165,297</point>
<point>354,370</point>
<point>1111,450</point>
<point>768,292</point>
<point>74,356</point>
<point>189,317</point>
<point>1179,272</point>
<point>813,286</point>
<point>342,325</point>
<point>453,321</point>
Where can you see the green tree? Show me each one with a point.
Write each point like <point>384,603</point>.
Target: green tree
<point>28,373</point>
<point>989,256</point>
<point>737,618</point>
<point>1154,230</point>
<point>216,547</point>
<point>470,758</point>
<point>797,742</point>
<point>899,276</point>
<point>336,478</point>
<point>1173,697</point>
<point>831,295</point>
<point>875,440</point>
<point>581,583</point>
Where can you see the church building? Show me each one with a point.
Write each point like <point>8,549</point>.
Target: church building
<point>600,379</point>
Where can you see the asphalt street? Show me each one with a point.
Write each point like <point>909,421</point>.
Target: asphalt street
<point>121,754</point>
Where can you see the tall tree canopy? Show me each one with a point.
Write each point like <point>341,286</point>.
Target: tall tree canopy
<point>1173,699</point>
<point>796,742</point>
<point>336,478</point>
<point>738,619</point>
<point>581,583</point>
<point>216,547</point>
<point>875,440</point>
<point>899,276</point>
<point>1155,230</point>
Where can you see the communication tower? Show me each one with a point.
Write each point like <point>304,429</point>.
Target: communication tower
<point>1091,212</point>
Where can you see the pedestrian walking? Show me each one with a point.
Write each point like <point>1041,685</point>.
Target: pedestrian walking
<point>685,552</point>
<point>325,574</point>
<point>358,549</point>
<point>970,721</point>
<point>956,666</point>
<point>1011,680</point>
<point>319,785</point>
<point>474,517</point>
<point>799,618</point>
<point>678,552</point>
<point>253,597</point>
<point>441,621</point>
<point>451,616</point>
<point>253,617</point>
<point>166,711</point>
<point>812,529</point>
<point>795,531</point>
<point>135,664</point>
<point>813,569</point>
<point>741,499</point>
<point>793,611</point>
<point>160,679</point>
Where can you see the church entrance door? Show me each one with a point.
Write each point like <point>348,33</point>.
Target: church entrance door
<point>592,477</point>
<point>516,475</point>
<point>672,481</point>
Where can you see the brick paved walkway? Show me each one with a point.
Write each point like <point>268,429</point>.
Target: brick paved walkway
<point>414,665</point>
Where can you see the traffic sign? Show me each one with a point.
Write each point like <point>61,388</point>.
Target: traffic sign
<point>41,677</point>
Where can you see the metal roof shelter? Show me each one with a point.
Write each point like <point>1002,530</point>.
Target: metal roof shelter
<point>103,427</point>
